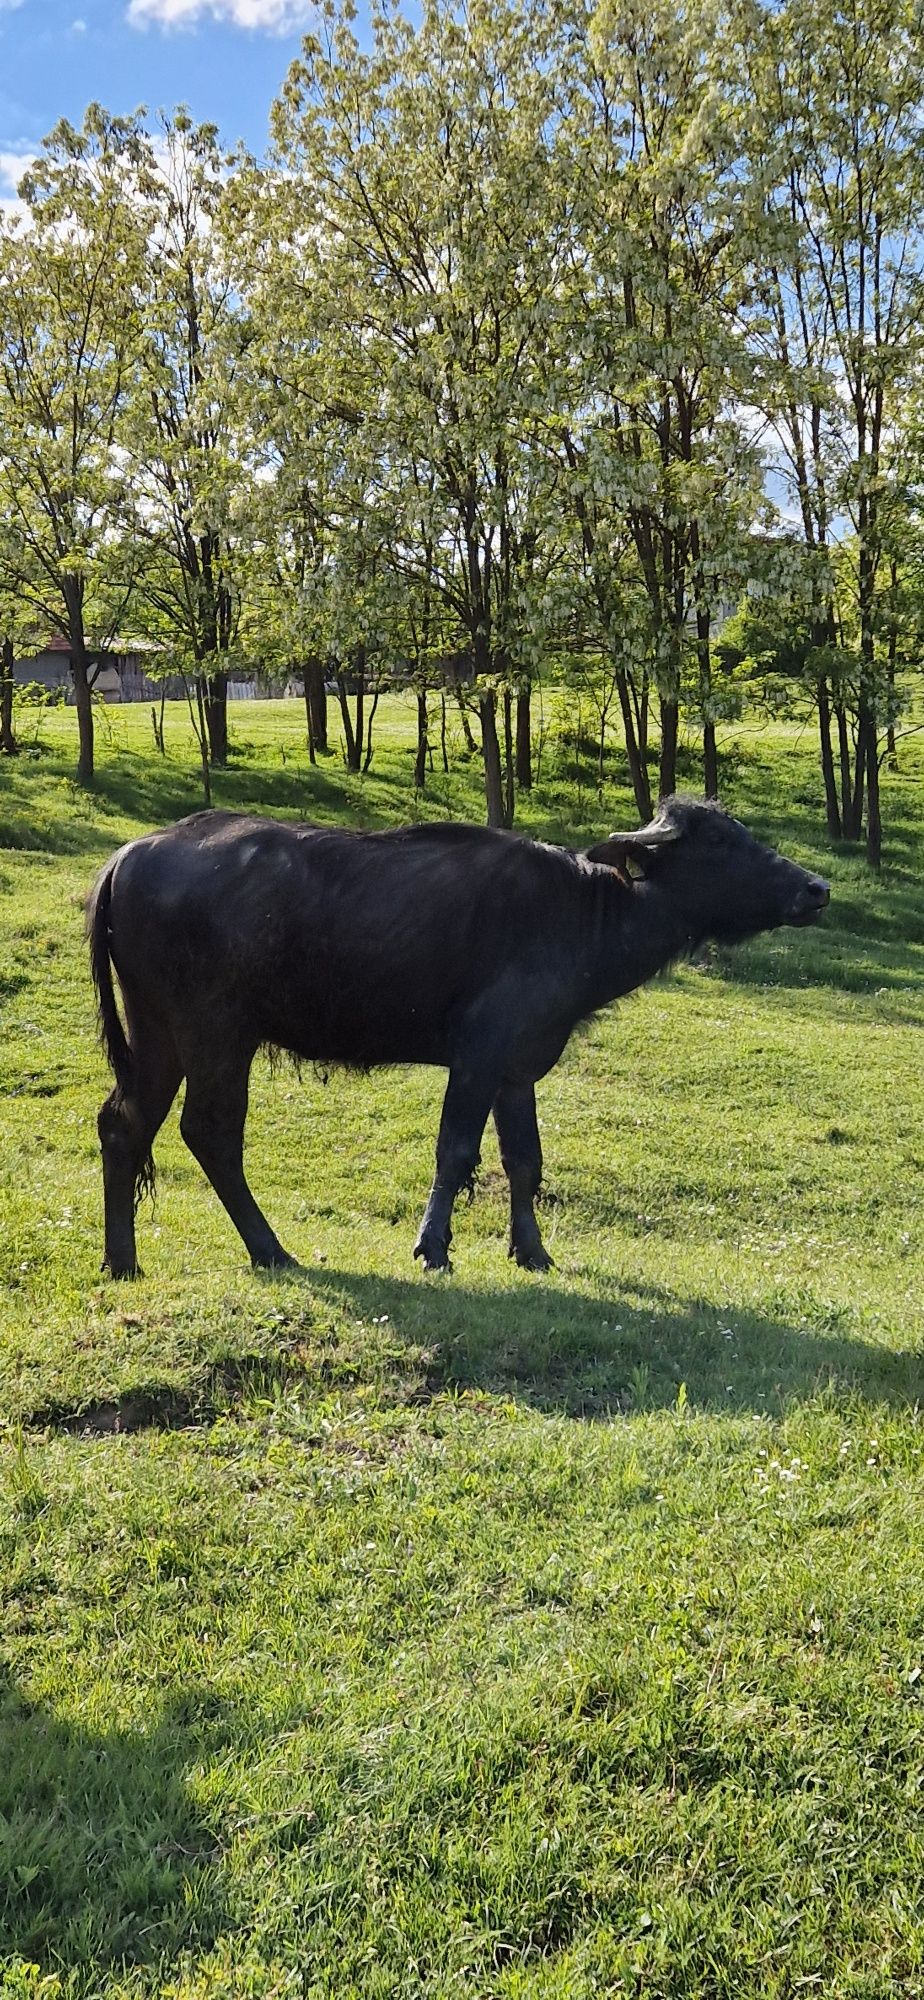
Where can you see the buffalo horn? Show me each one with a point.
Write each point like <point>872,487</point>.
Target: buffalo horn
<point>659,833</point>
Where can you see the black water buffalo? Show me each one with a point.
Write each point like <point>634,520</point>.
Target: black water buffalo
<point>456,945</point>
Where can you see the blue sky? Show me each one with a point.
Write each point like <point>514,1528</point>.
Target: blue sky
<point>224,58</point>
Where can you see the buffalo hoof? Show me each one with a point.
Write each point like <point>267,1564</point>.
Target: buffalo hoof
<point>434,1255</point>
<point>276,1260</point>
<point>532,1257</point>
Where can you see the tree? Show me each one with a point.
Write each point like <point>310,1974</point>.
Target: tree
<point>655,442</point>
<point>425,165</point>
<point>323,586</point>
<point>16,630</point>
<point>181,434</point>
<point>69,275</point>
<point>838,100</point>
<point>8,743</point>
<point>609,608</point>
<point>778,643</point>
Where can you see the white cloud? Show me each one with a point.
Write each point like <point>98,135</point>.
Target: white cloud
<point>12,167</point>
<point>78,27</point>
<point>273,17</point>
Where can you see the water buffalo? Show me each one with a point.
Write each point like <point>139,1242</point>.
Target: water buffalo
<point>475,950</point>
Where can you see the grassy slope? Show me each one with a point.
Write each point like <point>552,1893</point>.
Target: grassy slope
<point>498,1635</point>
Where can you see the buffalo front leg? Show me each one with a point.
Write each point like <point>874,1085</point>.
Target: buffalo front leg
<point>464,1117</point>
<point>212,1125</point>
<point>521,1156</point>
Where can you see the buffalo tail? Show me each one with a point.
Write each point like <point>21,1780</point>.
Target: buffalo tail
<point>112,1033</point>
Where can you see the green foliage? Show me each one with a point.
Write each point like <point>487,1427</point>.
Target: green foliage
<point>540,338</point>
<point>667,229</point>
<point>771,642</point>
<point>181,434</point>
<point>67,331</point>
<point>434,270</point>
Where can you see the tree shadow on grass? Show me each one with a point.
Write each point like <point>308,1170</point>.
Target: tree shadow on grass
<point>137,788</point>
<point>104,1860</point>
<point>848,956</point>
<point>596,1357</point>
<point>154,793</point>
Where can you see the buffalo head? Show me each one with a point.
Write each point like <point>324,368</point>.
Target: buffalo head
<point>719,880</point>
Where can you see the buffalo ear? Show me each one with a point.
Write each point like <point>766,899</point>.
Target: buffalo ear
<point>623,849</point>
<point>627,860</point>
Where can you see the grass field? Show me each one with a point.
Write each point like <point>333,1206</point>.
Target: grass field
<point>369,1633</point>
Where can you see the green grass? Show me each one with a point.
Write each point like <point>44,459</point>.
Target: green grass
<point>365,1633</point>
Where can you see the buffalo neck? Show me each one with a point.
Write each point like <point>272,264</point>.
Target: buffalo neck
<point>636,932</point>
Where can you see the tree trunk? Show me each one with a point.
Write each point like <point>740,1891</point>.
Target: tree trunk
<point>355,731</point>
<point>890,670</point>
<point>867,732</point>
<point>215,704</point>
<point>873,812</point>
<point>312,752</point>
<point>83,699</point>
<point>667,774</point>
<point>443,732</point>
<point>371,718</point>
<point>704,654</point>
<point>832,809</point>
<point>8,744</point>
<point>466,725</point>
<point>157,721</point>
<point>360,704</point>
<point>316,709</point>
<point>203,737</point>
<point>890,726</point>
<point>642,707</point>
<point>319,708</point>
<point>859,775</point>
<point>509,793</point>
<point>524,741</point>
<point>353,748</point>
<point>638,769</point>
<point>493,784</point>
<point>420,761</point>
<point>843,756</point>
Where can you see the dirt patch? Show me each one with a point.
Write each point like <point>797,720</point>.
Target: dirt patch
<point>162,1406</point>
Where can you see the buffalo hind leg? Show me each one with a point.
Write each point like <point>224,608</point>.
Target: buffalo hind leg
<point>212,1125</point>
<point>465,1114</point>
<point>128,1124</point>
<point>521,1156</point>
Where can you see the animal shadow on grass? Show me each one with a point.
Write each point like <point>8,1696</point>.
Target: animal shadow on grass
<point>562,1352</point>
<point>104,1860</point>
<point>555,1350</point>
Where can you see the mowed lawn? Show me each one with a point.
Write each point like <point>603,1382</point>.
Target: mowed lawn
<point>370,1633</point>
